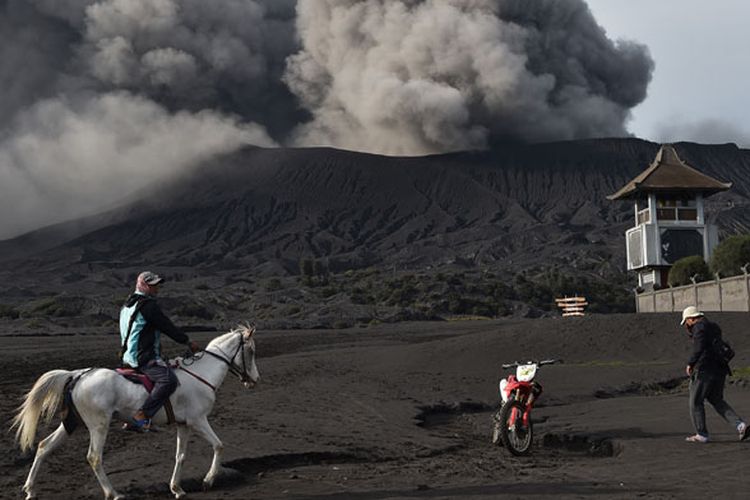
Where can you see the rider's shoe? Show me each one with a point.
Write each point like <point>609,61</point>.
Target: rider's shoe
<point>744,431</point>
<point>697,438</point>
<point>138,425</point>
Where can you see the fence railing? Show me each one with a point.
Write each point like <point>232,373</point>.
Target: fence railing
<point>720,294</point>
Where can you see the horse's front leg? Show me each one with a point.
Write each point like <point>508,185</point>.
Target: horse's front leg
<point>182,440</point>
<point>46,446</point>
<point>98,432</point>
<point>204,429</point>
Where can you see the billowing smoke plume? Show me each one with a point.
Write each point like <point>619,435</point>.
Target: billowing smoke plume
<point>227,55</point>
<point>100,98</point>
<point>399,76</point>
<point>99,89</point>
<point>66,156</point>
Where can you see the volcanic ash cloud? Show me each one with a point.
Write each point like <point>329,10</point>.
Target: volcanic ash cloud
<point>122,92</point>
<point>105,97</point>
<point>69,157</point>
<point>415,77</point>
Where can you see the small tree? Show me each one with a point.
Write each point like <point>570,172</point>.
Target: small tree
<point>273,285</point>
<point>306,267</point>
<point>685,268</point>
<point>730,255</point>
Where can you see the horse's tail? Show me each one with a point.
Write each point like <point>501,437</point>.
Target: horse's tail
<point>43,400</point>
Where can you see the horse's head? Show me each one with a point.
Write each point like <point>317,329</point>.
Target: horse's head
<point>236,349</point>
<point>244,360</point>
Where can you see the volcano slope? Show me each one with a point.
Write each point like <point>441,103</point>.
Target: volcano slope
<point>404,411</point>
<point>235,235</point>
<point>265,209</point>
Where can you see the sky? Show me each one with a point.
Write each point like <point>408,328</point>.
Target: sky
<point>103,98</point>
<point>700,89</point>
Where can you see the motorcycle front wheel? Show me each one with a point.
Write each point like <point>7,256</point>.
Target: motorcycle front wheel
<point>514,434</point>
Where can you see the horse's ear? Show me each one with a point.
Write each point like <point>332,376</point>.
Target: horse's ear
<point>249,330</point>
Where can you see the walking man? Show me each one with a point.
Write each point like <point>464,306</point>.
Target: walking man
<point>707,372</point>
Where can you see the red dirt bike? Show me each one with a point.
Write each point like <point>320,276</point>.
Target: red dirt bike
<point>512,423</point>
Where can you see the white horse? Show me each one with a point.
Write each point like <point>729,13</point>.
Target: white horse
<point>101,394</point>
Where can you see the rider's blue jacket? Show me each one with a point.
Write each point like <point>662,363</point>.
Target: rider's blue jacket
<point>149,322</point>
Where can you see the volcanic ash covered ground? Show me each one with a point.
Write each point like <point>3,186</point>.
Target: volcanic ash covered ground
<point>404,411</point>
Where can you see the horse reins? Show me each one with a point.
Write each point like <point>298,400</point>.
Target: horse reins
<point>229,362</point>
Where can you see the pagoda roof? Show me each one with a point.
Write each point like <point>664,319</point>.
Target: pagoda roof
<point>668,172</point>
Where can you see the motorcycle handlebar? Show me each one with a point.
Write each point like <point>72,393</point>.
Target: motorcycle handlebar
<point>539,363</point>
<point>550,361</point>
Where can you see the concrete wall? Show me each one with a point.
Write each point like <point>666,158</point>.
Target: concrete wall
<point>734,294</point>
<point>726,294</point>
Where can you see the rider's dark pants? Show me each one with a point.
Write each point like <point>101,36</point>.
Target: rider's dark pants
<point>709,386</point>
<point>165,383</point>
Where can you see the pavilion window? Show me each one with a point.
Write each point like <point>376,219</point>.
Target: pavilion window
<point>644,216</point>
<point>643,212</point>
<point>676,208</point>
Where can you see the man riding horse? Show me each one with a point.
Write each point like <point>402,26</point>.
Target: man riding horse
<point>141,324</point>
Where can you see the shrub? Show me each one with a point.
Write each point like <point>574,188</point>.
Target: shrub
<point>403,296</point>
<point>34,324</point>
<point>59,306</point>
<point>8,312</point>
<point>360,296</point>
<point>273,285</point>
<point>686,267</point>
<point>292,310</point>
<point>730,255</point>
<point>306,267</point>
<point>45,307</point>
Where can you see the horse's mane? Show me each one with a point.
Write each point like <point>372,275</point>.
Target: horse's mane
<point>234,331</point>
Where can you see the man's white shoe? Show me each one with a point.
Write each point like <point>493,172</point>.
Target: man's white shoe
<point>743,430</point>
<point>697,438</point>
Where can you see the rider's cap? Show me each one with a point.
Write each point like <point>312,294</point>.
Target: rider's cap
<point>150,278</point>
<point>690,312</point>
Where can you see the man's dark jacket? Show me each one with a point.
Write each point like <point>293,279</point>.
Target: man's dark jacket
<point>704,358</point>
<point>150,321</point>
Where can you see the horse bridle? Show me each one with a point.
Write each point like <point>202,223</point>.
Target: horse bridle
<point>244,377</point>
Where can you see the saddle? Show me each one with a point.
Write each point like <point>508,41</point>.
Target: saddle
<point>137,377</point>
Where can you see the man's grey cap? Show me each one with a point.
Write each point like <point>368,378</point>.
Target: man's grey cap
<point>151,278</point>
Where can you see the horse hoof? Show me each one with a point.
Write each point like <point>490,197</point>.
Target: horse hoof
<point>178,492</point>
<point>207,485</point>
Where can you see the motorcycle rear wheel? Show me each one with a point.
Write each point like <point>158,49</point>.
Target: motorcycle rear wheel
<point>516,436</point>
